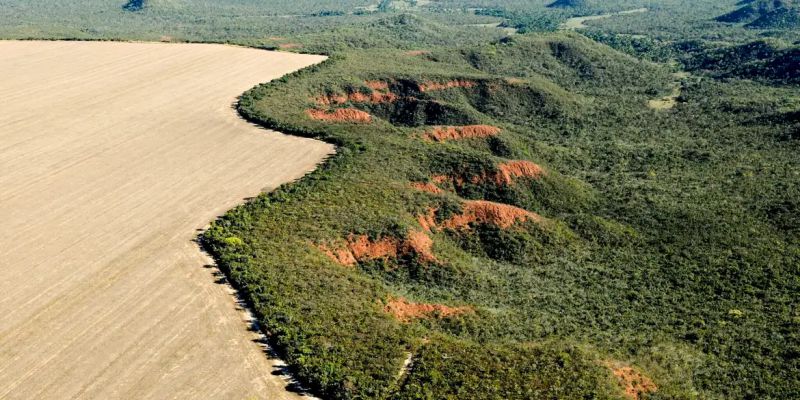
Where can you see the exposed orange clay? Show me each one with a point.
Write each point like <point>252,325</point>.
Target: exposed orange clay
<point>378,97</point>
<point>458,181</point>
<point>443,133</point>
<point>505,174</point>
<point>421,244</point>
<point>440,179</point>
<point>508,172</point>
<point>426,187</point>
<point>432,86</point>
<point>428,220</point>
<point>340,256</point>
<point>358,97</point>
<point>374,97</point>
<point>632,381</point>
<point>361,248</point>
<point>340,115</point>
<point>406,311</point>
<point>377,85</point>
<point>331,99</point>
<point>365,249</point>
<point>487,212</point>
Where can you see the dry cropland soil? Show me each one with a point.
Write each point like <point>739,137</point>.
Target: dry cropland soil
<point>112,156</point>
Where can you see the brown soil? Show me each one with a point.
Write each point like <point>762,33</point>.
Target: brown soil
<point>417,52</point>
<point>287,46</point>
<point>508,172</point>
<point>340,115</point>
<point>426,187</point>
<point>433,86</point>
<point>406,311</point>
<point>377,85</point>
<point>632,381</point>
<point>487,212</point>
<point>442,133</point>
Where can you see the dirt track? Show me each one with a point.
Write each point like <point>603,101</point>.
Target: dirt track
<point>112,155</point>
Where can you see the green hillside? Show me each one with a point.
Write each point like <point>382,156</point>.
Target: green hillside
<point>766,14</point>
<point>652,244</point>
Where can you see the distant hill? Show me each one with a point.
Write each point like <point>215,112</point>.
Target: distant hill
<point>765,14</point>
<point>569,4</point>
<point>780,18</point>
<point>768,60</point>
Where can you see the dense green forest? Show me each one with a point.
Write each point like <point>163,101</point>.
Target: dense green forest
<point>515,210</point>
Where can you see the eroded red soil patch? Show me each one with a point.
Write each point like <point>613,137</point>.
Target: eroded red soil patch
<point>440,179</point>
<point>505,174</point>
<point>406,311</point>
<point>377,85</point>
<point>633,382</point>
<point>428,220</point>
<point>487,212</point>
<point>421,244</point>
<point>426,187</point>
<point>442,133</point>
<point>433,86</point>
<point>508,172</point>
<point>374,97</point>
<point>340,115</point>
<point>365,249</point>
<point>338,99</point>
<point>342,256</point>
<point>361,248</point>
<point>331,99</point>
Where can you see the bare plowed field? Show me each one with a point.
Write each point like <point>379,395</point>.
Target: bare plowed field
<point>112,156</point>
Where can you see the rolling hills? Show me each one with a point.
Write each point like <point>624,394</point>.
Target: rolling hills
<point>532,207</point>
